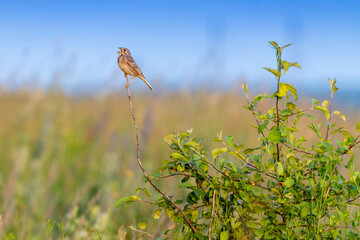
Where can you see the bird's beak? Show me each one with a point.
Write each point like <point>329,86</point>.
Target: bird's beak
<point>119,52</point>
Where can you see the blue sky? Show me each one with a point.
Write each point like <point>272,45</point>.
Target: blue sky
<point>183,42</point>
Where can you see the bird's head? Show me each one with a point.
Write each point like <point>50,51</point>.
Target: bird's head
<point>123,51</point>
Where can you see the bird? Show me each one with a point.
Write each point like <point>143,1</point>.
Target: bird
<point>129,67</point>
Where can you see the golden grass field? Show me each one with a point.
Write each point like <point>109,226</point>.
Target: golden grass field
<point>69,158</point>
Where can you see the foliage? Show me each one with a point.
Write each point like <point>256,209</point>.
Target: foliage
<point>284,188</point>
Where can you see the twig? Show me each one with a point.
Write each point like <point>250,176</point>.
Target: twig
<point>297,150</point>
<point>352,145</point>
<point>172,175</point>
<point>145,173</point>
<point>352,200</point>
<point>212,213</point>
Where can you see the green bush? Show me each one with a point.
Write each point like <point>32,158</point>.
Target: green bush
<point>284,188</point>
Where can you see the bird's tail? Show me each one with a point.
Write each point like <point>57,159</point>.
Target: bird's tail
<point>148,84</point>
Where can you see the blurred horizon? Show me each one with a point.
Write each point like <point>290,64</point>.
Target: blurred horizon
<point>179,44</point>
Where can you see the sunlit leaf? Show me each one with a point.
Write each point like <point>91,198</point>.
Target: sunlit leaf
<point>229,140</point>
<point>273,71</point>
<point>252,224</point>
<point>142,225</point>
<point>123,200</point>
<point>325,103</point>
<point>274,44</point>
<point>157,213</point>
<point>279,168</point>
<point>333,86</point>
<point>290,106</point>
<point>288,182</point>
<point>324,110</point>
<point>282,90</point>
<point>191,144</point>
<point>217,151</point>
<point>342,116</point>
<point>177,155</point>
<point>168,138</point>
<point>186,185</point>
<point>244,86</point>
<point>285,65</point>
<point>224,235</point>
<point>305,209</point>
<point>274,135</point>
<point>143,189</point>
<point>295,64</point>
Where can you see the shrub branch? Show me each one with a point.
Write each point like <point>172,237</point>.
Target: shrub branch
<point>145,173</point>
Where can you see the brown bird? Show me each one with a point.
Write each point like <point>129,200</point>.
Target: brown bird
<point>129,67</point>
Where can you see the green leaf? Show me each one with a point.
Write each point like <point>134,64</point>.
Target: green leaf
<point>177,155</point>
<point>229,140</point>
<point>333,86</point>
<point>287,45</point>
<point>157,213</point>
<point>305,209</point>
<point>186,185</point>
<point>249,150</point>
<point>274,44</point>
<point>260,97</point>
<point>252,224</point>
<point>290,106</point>
<point>295,64</point>
<point>191,144</point>
<point>310,116</point>
<point>224,235</point>
<point>325,103</point>
<point>335,131</point>
<point>142,225</point>
<point>123,200</point>
<point>358,126</point>
<point>273,71</point>
<point>217,151</point>
<point>282,90</point>
<point>274,135</point>
<point>280,169</point>
<point>324,110</point>
<point>289,182</point>
<point>238,147</point>
<point>234,224</point>
<point>144,190</point>
<point>168,138</point>
<point>180,168</point>
<point>292,89</point>
<point>271,111</point>
<point>257,191</point>
<point>285,65</point>
<point>244,86</point>
<point>342,116</point>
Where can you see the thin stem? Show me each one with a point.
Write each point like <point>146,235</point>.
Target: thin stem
<point>172,175</point>
<point>145,173</point>
<point>297,150</point>
<point>212,213</point>
<point>328,122</point>
<point>253,112</point>
<point>278,115</point>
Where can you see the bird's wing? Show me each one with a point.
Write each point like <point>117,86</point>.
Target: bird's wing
<point>132,64</point>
